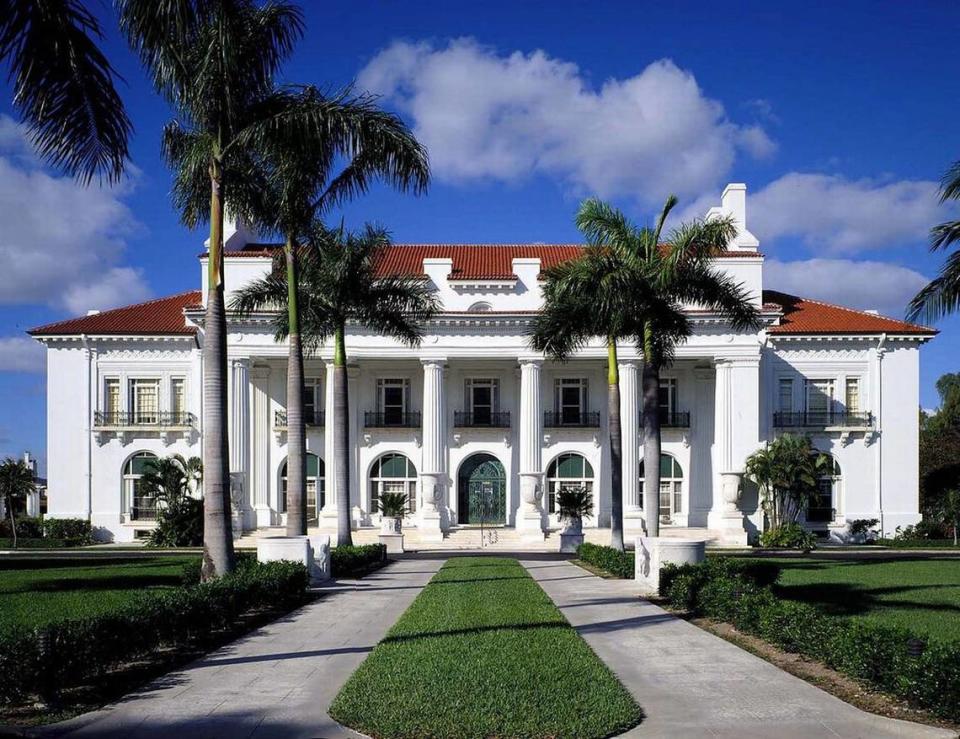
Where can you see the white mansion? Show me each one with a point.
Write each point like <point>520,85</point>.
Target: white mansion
<point>473,424</point>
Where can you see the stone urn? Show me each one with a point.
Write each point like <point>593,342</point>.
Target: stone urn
<point>572,535</point>
<point>391,525</point>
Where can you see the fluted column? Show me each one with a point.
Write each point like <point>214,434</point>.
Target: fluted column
<point>530,515</point>
<point>630,454</point>
<point>239,439</point>
<point>261,425</point>
<point>433,465</point>
<point>329,510</point>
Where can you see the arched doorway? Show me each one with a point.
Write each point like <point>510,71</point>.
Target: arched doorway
<point>569,471</point>
<point>482,491</point>
<point>316,497</point>
<point>824,506</point>
<point>139,503</point>
<point>671,487</point>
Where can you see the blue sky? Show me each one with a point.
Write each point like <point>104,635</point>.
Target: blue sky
<point>839,117</point>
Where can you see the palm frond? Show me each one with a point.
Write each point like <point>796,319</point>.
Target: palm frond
<point>944,235</point>
<point>64,87</point>
<point>941,296</point>
<point>950,183</point>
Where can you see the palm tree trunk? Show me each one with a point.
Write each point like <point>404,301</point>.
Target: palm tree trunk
<point>616,447</point>
<point>651,447</point>
<point>218,555</point>
<point>341,435</point>
<point>296,430</point>
<point>13,523</point>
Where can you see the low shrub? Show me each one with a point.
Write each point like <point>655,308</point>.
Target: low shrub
<point>789,536</point>
<point>35,543</point>
<point>918,543</point>
<point>617,563</point>
<point>71,652</point>
<point>179,525</point>
<point>888,658</point>
<point>28,527</point>
<point>357,560</point>
<point>923,530</point>
<point>73,531</point>
<point>190,574</point>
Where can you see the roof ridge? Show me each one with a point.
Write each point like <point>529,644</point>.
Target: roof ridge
<point>109,311</point>
<point>858,311</point>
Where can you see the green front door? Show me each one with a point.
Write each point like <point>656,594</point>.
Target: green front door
<point>482,491</point>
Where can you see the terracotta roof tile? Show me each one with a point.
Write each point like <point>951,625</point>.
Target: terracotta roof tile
<point>804,316</point>
<point>163,316</point>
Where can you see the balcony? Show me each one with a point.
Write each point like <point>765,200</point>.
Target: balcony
<point>482,420</point>
<point>672,419</point>
<point>571,419</point>
<point>310,418</point>
<point>822,419</point>
<point>142,420</point>
<point>391,419</point>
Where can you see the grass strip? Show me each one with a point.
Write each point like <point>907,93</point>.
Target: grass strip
<point>483,651</point>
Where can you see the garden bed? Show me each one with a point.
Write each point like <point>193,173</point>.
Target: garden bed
<point>483,651</point>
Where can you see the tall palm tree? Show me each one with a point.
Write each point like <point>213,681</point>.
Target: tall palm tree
<point>305,178</point>
<point>215,61</point>
<point>170,479</point>
<point>676,273</point>
<point>603,293</point>
<point>16,483</point>
<point>339,284</point>
<point>942,295</point>
<point>63,86</point>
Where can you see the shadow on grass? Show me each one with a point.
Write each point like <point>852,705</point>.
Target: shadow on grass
<point>52,563</point>
<point>846,599</point>
<point>474,630</point>
<point>477,579</point>
<point>116,582</point>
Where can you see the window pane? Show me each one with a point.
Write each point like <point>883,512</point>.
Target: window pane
<point>785,398</point>
<point>393,466</point>
<point>666,466</point>
<point>570,465</point>
<point>313,465</point>
<point>853,395</point>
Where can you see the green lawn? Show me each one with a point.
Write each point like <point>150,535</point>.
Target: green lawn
<point>40,590</point>
<point>922,594</point>
<point>483,651</point>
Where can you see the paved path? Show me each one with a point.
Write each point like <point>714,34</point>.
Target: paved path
<point>693,684</point>
<point>276,681</point>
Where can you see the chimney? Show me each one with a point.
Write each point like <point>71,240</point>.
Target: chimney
<point>733,202</point>
<point>93,312</point>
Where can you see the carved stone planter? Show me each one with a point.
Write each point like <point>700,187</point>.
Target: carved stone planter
<point>654,552</point>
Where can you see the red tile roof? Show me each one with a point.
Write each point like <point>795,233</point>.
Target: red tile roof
<point>163,316</point>
<point>804,316</point>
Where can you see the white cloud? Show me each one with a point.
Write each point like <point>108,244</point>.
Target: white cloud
<point>841,216</point>
<point>22,354</point>
<point>483,115</point>
<point>852,283</point>
<point>61,244</point>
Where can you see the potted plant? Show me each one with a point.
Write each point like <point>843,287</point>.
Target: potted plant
<point>392,508</point>
<point>575,503</point>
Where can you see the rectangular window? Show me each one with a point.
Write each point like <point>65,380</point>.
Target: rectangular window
<point>668,399</point>
<point>111,399</point>
<point>819,401</point>
<point>312,401</point>
<point>392,400</point>
<point>482,400</point>
<point>571,399</point>
<point>145,401</point>
<point>785,395</point>
<point>178,398</point>
<point>852,399</point>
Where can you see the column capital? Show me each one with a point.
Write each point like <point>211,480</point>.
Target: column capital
<point>433,362</point>
<point>530,361</point>
<point>630,362</point>
<point>738,361</point>
<point>240,362</point>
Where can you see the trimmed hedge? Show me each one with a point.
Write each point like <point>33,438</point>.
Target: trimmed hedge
<point>876,654</point>
<point>357,560</point>
<point>72,531</point>
<point>69,653</point>
<point>617,563</point>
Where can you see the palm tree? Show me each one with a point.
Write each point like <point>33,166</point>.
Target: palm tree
<point>942,295</point>
<point>170,479</point>
<point>215,61</point>
<point>63,86</point>
<point>339,284</point>
<point>16,483</point>
<point>305,178</point>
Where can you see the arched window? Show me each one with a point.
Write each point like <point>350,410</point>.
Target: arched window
<point>480,307</point>
<point>824,506</point>
<point>567,471</point>
<point>316,486</point>
<point>140,506</point>
<point>393,473</point>
<point>671,487</point>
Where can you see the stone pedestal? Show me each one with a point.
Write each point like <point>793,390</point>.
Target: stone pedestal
<point>393,542</point>
<point>430,521</point>
<point>311,551</point>
<point>569,543</point>
<point>653,553</point>
<point>728,521</point>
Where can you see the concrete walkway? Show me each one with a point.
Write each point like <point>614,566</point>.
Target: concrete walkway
<point>693,684</point>
<point>275,682</point>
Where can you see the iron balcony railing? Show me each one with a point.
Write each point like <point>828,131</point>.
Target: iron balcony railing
<point>310,418</point>
<point>821,419</point>
<point>482,419</point>
<point>672,419</point>
<point>571,418</point>
<point>391,419</point>
<point>164,419</point>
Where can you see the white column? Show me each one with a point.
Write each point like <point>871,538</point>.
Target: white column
<point>433,465</point>
<point>630,447</point>
<point>329,511</point>
<point>239,439</point>
<point>261,426</point>
<point>737,433</point>
<point>530,517</point>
